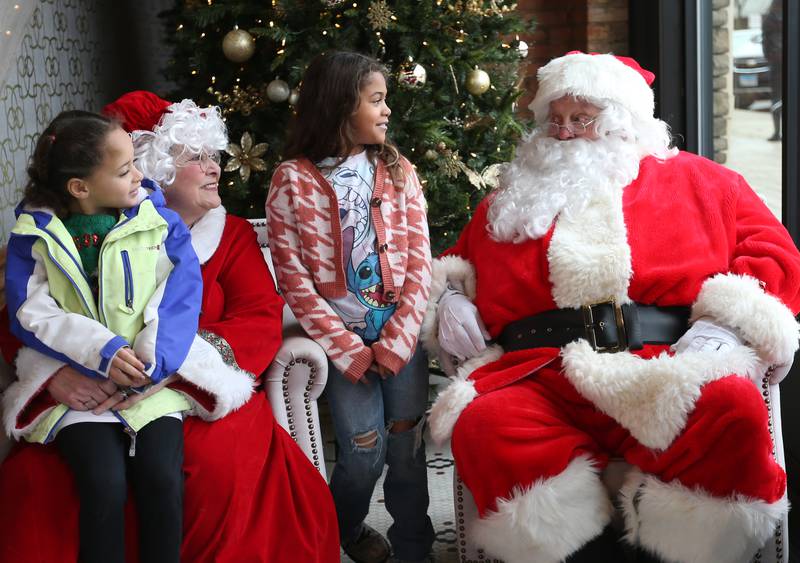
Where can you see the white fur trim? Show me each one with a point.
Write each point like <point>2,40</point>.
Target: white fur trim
<point>762,320</point>
<point>207,233</point>
<point>204,368</point>
<point>452,401</point>
<point>448,407</point>
<point>459,273</point>
<point>690,526</point>
<point>34,370</point>
<point>651,398</point>
<point>602,77</point>
<point>589,255</point>
<point>548,521</point>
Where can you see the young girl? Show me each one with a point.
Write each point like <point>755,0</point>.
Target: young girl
<point>349,241</point>
<point>102,277</point>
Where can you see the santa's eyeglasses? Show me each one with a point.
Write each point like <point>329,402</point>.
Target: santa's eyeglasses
<point>577,127</point>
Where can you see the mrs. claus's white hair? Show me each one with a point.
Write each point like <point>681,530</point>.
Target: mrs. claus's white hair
<point>184,129</point>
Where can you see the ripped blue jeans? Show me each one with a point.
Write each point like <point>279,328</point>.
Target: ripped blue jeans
<point>363,416</point>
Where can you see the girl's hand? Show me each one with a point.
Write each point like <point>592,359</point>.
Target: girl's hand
<point>127,370</point>
<point>123,398</point>
<point>384,372</point>
<point>79,392</point>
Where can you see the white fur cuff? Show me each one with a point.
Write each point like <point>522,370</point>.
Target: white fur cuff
<point>34,370</point>
<point>454,399</point>
<point>204,368</point>
<point>548,521</point>
<point>448,407</point>
<point>682,524</point>
<point>651,398</point>
<point>762,320</point>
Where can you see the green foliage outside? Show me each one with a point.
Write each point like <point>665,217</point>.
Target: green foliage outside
<point>452,136</point>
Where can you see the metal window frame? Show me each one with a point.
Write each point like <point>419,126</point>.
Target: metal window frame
<point>790,201</point>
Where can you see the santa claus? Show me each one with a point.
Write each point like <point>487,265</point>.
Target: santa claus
<point>631,295</point>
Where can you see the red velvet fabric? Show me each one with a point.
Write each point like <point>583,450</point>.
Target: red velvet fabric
<point>250,495</point>
<point>533,429</point>
<point>137,110</point>
<point>687,219</point>
<point>250,492</point>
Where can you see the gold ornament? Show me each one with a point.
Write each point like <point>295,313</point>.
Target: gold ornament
<point>431,154</point>
<point>379,15</point>
<point>278,91</point>
<point>246,157</point>
<point>478,82</point>
<point>488,178</point>
<point>294,97</point>
<point>412,75</point>
<point>240,100</point>
<point>474,121</point>
<point>238,45</point>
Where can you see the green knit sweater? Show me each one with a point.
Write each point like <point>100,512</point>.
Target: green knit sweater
<point>88,233</point>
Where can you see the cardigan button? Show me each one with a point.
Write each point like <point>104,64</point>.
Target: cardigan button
<point>375,202</point>
<point>384,247</point>
<point>389,295</point>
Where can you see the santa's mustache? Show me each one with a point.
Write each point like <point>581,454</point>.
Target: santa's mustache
<point>548,177</point>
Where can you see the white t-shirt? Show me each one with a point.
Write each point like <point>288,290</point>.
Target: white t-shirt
<point>363,310</point>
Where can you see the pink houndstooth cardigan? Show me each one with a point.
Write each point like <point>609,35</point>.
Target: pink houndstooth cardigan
<point>305,239</point>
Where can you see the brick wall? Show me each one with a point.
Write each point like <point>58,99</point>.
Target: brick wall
<point>566,25</point>
<point>721,41</point>
<point>607,26</point>
<point>560,27</point>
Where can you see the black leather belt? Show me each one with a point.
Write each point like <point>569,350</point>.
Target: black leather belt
<point>608,327</point>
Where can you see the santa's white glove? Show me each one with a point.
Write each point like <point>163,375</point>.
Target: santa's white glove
<point>461,330</point>
<point>705,336</point>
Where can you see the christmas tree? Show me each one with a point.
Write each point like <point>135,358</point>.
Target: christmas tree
<point>454,82</point>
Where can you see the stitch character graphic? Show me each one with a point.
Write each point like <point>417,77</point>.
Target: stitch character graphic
<point>365,282</point>
<point>353,193</point>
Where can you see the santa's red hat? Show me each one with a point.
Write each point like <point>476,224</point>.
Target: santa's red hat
<point>139,110</point>
<point>595,76</point>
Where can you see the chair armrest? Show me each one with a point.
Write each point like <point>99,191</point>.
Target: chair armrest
<point>293,382</point>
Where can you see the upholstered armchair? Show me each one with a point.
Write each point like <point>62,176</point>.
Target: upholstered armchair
<point>776,549</point>
<point>295,379</point>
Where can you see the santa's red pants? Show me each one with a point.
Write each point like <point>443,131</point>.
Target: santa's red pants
<point>533,429</point>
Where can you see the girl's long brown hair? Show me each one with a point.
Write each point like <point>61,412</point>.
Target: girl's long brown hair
<point>329,95</point>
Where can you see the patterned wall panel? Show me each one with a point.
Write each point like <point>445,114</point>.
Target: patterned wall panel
<point>56,69</point>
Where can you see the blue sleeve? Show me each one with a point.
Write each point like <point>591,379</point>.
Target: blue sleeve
<point>179,309</point>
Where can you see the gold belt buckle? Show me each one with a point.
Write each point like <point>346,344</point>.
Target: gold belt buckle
<point>590,326</point>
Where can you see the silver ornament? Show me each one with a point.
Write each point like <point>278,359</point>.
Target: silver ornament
<point>278,91</point>
<point>522,48</point>
<point>412,75</point>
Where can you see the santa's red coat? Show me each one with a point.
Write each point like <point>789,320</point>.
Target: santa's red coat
<point>528,424</point>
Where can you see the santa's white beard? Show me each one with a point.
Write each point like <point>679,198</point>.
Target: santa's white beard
<point>548,177</point>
